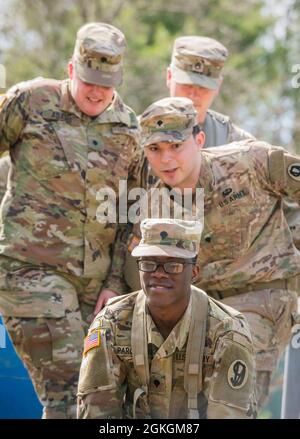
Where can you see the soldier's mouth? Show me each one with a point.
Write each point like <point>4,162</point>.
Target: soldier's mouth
<point>160,287</point>
<point>94,100</point>
<point>169,171</point>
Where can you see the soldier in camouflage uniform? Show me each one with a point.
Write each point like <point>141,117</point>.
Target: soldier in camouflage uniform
<point>67,140</point>
<point>167,351</point>
<point>247,256</point>
<point>196,73</point>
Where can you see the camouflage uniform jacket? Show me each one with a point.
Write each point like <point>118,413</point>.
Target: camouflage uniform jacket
<point>219,130</point>
<point>108,376</point>
<point>246,238</point>
<point>60,159</point>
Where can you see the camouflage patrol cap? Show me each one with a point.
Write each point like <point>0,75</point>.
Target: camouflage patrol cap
<point>169,237</point>
<point>168,120</point>
<point>98,54</point>
<point>198,61</point>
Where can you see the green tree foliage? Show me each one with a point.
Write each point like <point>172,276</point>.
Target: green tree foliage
<point>37,39</point>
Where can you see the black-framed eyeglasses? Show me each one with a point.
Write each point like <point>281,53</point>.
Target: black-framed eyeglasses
<point>169,267</point>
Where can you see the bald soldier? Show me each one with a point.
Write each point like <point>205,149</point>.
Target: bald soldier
<point>167,351</point>
<point>247,259</point>
<point>67,139</point>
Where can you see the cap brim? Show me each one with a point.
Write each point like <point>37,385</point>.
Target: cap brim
<point>162,250</point>
<point>104,79</point>
<point>166,136</point>
<point>187,77</point>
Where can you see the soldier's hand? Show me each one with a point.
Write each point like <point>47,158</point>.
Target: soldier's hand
<point>103,298</point>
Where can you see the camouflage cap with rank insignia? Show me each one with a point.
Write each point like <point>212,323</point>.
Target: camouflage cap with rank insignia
<point>98,54</point>
<point>168,120</point>
<point>169,237</point>
<point>198,61</point>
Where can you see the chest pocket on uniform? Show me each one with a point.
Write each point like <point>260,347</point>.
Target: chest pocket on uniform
<point>73,147</point>
<point>157,383</point>
<point>123,143</point>
<point>222,235</point>
<point>42,150</point>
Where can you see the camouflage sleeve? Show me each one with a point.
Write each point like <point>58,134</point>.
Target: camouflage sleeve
<point>230,391</point>
<point>134,172</point>
<point>12,117</point>
<point>102,379</point>
<point>115,278</point>
<point>284,172</point>
<point>236,133</point>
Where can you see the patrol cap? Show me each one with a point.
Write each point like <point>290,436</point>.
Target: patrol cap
<point>98,54</point>
<point>198,61</point>
<point>169,237</point>
<point>168,120</point>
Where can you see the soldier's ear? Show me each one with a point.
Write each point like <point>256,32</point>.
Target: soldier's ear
<point>169,76</point>
<point>200,139</point>
<point>195,272</point>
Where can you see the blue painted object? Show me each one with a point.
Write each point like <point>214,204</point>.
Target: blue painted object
<point>18,399</point>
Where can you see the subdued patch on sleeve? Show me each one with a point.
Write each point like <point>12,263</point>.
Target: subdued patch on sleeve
<point>237,375</point>
<point>294,170</point>
<point>233,378</point>
<point>96,372</point>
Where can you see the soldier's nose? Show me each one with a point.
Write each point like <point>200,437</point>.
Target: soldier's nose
<point>165,157</point>
<point>159,272</point>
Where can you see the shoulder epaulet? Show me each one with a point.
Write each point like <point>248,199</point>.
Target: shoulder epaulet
<point>226,308</point>
<point>113,308</point>
<point>117,299</point>
<point>230,321</point>
<point>219,116</point>
<point>31,85</point>
<point>124,114</point>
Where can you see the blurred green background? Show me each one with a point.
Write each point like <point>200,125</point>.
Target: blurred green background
<point>260,89</point>
<point>37,38</point>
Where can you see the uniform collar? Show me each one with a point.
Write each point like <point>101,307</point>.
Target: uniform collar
<point>67,103</point>
<point>177,337</point>
<point>116,112</point>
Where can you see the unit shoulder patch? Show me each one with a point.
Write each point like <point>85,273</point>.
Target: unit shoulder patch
<point>237,374</point>
<point>294,171</point>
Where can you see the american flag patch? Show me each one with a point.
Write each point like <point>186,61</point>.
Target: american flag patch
<point>93,340</point>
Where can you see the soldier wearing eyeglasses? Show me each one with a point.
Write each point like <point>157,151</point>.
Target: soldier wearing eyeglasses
<point>168,350</point>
